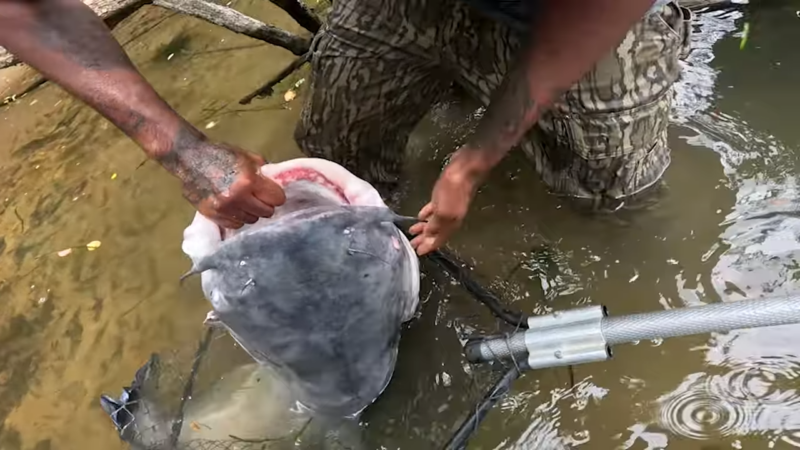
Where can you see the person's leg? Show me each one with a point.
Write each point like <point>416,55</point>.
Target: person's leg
<point>605,140</point>
<point>372,80</point>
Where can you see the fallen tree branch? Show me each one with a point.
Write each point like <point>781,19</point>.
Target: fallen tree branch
<point>237,22</point>
<point>300,13</point>
<point>115,11</point>
<point>266,89</point>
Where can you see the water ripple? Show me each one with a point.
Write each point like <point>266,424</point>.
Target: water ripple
<point>750,399</point>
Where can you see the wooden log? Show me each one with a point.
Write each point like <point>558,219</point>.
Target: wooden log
<point>114,11</point>
<point>266,89</point>
<point>300,13</point>
<point>237,22</point>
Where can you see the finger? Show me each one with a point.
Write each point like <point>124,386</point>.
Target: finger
<point>226,222</point>
<point>417,241</point>
<point>426,211</point>
<point>244,216</point>
<point>434,225</point>
<point>427,246</point>
<point>268,191</point>
<point>251,205</point>
<point>256,158</point>
<point>417,228</point>
<point>238,208</point>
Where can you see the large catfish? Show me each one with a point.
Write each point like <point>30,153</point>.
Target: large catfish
<point>320,290</point>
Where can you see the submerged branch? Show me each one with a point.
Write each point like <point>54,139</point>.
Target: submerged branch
<point>300,13</point>
<point>266,89</point>
<point>115,11</point>
<point>237,22</point>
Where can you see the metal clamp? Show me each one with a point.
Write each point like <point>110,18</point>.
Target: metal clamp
<point>558,339</point>
<point>566,338</point>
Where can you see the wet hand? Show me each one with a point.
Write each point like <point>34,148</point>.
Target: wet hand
<point>224,183</point>
<point>450,202</point>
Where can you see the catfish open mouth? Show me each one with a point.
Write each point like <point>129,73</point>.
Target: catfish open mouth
<point>320,180</point>
<point>296,174</point>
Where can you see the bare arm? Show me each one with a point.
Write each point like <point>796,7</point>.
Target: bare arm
<point>567,39</point>
<point>71,46</point>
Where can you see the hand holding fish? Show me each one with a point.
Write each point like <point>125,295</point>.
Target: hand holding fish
<point>450,202</point>
<point>224,183</point>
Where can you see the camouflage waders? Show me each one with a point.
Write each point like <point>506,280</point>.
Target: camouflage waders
<point>381,64</point>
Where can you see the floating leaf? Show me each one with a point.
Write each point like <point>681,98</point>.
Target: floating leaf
<point>64,252</point>
<point>114,176</point>
<point>745,35</point>
<point>289,95</point>
<point>94,245</point>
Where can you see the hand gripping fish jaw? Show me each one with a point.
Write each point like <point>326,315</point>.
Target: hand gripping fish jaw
<point>327,281</point>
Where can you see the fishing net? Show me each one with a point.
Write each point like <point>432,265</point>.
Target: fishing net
<point>211,398</point>
<point>214,397</point>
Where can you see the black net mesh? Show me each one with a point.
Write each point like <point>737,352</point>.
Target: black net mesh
<point>213,396</point>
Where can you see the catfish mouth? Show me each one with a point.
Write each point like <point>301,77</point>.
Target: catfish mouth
<point>330,190</point>
<point>298,174</point>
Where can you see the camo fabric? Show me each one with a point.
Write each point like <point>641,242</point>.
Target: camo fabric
<point>381,64</point>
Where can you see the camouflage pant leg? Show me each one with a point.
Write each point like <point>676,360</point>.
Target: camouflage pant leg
<point>605,140</point>
<point>372,81</point>
<point>382,63</point>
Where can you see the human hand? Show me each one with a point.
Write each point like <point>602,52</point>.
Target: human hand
<point>224,183</point>
<point>450,201</point>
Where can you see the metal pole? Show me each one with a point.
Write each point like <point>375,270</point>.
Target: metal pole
<point>716,317</point>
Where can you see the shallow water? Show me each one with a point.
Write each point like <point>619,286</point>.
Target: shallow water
<point>76,326</point>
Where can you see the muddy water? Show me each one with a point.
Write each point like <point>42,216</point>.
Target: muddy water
<point>73,327</point>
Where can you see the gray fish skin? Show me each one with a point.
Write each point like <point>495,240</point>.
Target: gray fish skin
<point>321,294</point>
<point>137,419</point>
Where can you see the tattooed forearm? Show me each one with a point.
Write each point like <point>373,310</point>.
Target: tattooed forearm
<point>567,38</point>
<point>511,112</point>
<point>206,169</point>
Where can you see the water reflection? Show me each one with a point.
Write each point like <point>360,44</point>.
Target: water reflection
<point>749,386</point>
<point>744,400</point>
<point>546,429</point>
<point>694,93</point>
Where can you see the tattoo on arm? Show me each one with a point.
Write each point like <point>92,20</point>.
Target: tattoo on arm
<point>511,112</point>
<point>205,169</point>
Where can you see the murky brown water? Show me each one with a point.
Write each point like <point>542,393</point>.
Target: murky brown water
<point>77,326</point>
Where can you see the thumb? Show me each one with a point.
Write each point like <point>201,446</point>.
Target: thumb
<point>256,158</point>
<point>267,190</point>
